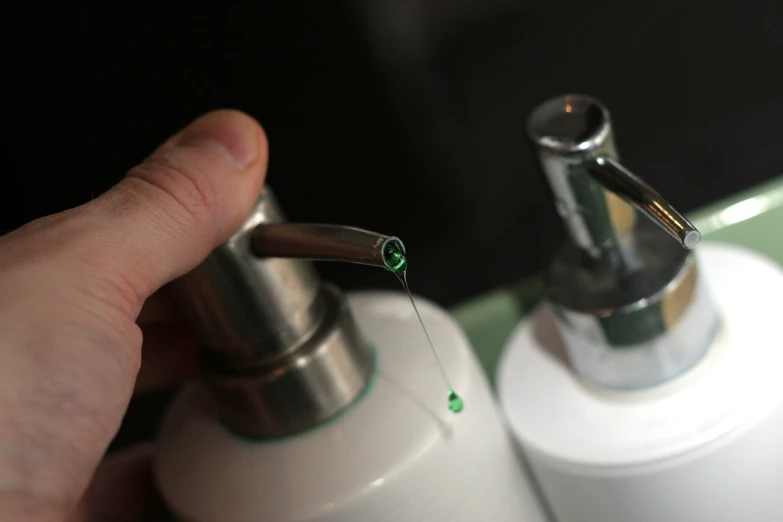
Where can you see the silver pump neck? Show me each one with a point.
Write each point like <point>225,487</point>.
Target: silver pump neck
<point>281,347</point>
<point>630,303</point>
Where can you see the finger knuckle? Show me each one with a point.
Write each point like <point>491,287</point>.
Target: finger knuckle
<point>180,188</point>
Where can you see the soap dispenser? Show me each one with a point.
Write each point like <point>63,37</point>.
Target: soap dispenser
<point>325,407</point>
<point>647,385</point>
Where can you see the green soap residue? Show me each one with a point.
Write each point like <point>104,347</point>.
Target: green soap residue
<point>396,261</point>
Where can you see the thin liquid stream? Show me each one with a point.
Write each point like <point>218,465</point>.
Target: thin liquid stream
<point>397,262</point>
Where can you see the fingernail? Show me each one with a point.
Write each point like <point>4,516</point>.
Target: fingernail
<point>231,134</point>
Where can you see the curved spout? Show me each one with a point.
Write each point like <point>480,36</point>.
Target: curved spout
<point>594,193</point>
<point>320,242</point>
<point>616,178</point>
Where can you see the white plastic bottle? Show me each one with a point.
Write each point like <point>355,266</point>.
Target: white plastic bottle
<point>647,386</point>
<point>707,445</point>
<point>394,454</point>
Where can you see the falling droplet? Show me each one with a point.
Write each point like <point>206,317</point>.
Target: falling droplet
<point>396,261</point>
<point>455,402</point>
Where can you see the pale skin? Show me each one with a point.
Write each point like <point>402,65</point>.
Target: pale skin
<point>84,323</point>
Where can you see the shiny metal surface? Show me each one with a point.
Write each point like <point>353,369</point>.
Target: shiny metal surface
<point>247,308</point>
<point>319,242</point>
<point>288,395</point>
<point>629,301</point>
<point>619,180</point>
<point>281,347</point>
<point>634,329</point>
<point>574,143</point>
<point>747,219</point>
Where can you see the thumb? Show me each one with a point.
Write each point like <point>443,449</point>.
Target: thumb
<point>72,285</point>
<point>164,217</point>
<point>188,197</point>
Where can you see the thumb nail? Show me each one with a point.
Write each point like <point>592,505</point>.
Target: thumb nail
<point>231,134</point>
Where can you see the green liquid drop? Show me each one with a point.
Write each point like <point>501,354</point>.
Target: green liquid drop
<point>396,262</point>
<point>455,402</point>
<point>394,256</point>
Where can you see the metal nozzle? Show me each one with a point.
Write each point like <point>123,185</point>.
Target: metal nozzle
<point>320,242</point>
<point>282,348</point>
<point>619,180</point>
<point>574,142</point>
<point>631,307</point>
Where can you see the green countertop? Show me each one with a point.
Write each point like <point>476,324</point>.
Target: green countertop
<point>749,219</point>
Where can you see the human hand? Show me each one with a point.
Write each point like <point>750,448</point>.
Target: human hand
<point>72,288</point>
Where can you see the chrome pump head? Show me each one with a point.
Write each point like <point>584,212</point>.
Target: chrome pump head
<point>628,298</point>
<point>281,347</point>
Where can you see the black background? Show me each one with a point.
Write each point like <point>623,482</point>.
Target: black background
<point>404,117</point>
